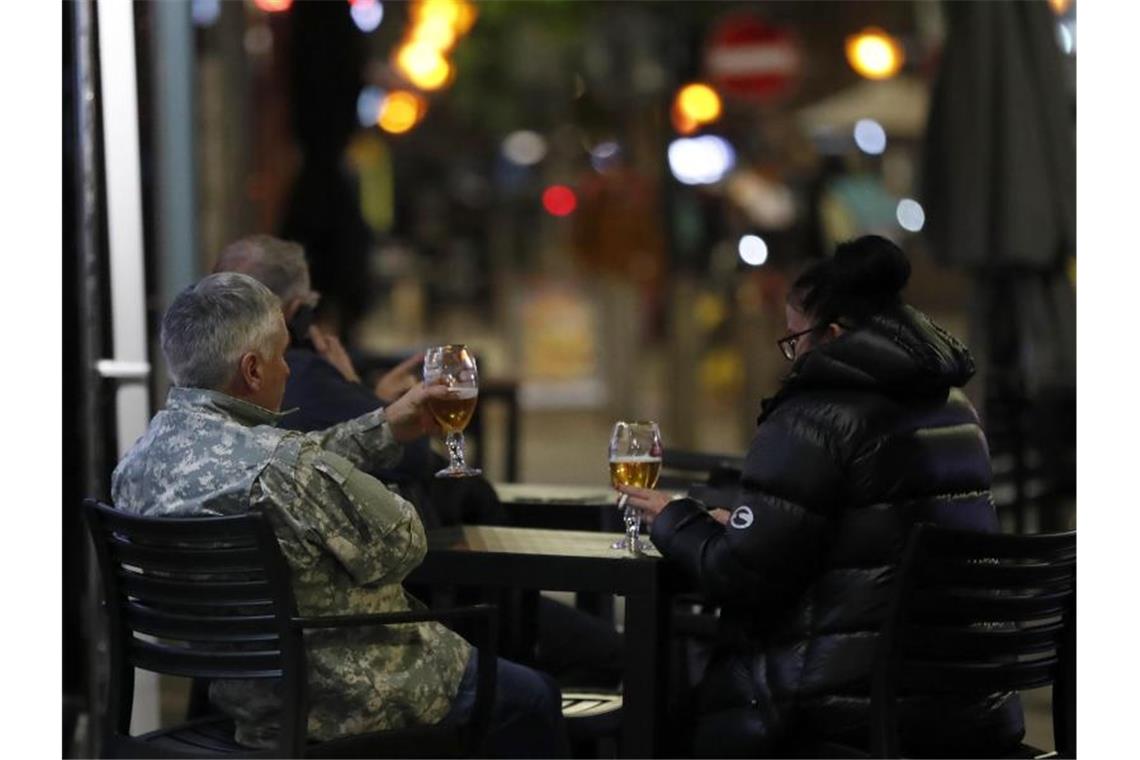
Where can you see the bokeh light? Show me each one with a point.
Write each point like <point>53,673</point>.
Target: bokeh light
<point>1060,7</point>
<point>400,111</point>
<point>205,12</point>
<point>910,215</point>
<point>368,104</point>
<point>273,6</point>
<point>423,65</point>
<point>458,14</point>
<point>682,123</point>
<point>435,32</point>
<point>699,103</point>
<point>753,250</point>
<point>701,160</point>
<point>605,155</point>
<point>559,200</point>
<point>524,147</point>
<point>1067,38</point>
<point>367,14</point>
<point>870,136</point>
<point>874,54</point>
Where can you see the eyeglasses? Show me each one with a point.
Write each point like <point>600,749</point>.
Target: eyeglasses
<point>788,343</point>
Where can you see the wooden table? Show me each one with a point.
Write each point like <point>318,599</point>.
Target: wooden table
<point>559,560</point>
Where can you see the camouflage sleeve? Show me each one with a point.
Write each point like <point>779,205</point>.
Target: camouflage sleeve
<point>334,508</point>
<point>365,441</point>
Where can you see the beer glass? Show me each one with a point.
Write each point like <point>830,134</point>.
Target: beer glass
<point>456,366</point>
<point>635,460</point>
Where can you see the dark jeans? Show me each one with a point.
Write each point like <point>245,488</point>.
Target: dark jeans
<point>577,648</point>
<point>526,720</point>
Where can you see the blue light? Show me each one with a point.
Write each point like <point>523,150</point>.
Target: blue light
<point>368,105</point>
<point>367,14</point>
<point>205,12</point>
<point>870,136</point>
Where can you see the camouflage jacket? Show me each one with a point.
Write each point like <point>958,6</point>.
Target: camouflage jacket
<point>349,541</point>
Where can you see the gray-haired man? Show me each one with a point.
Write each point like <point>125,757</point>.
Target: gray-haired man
<point>215,450</point>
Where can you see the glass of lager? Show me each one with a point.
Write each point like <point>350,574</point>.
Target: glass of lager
<point>455,365</point>
<point>635,460</point>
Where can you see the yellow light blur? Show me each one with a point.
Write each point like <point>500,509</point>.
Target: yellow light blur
<point>423,65</point>
<point>400,111</point>
<point>1060,7</point>
<point>467,15</point>
<point>874,54</point>
<point>434,32</point>
<point>699,103</point>
<point>448,11</point>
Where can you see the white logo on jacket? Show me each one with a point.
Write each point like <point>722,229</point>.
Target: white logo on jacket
<point>741,517</point>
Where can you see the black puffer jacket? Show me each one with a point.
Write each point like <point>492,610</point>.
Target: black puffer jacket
<point>868,435</point>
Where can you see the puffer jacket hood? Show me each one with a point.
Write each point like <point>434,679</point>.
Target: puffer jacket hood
<point>900,353</point>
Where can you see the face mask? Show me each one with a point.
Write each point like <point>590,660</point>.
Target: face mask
<point>300,323</point>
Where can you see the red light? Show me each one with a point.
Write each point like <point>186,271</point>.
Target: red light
<point>559,200</point>
<point>273,6</point>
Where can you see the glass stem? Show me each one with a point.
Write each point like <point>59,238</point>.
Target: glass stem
<point>632,528</point>
<point>455,451</point>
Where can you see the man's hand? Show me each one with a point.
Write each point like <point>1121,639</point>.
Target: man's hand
<point>408,416</point>
<point>398,380</point>
<point>331,350</point>
<point>720,514</point>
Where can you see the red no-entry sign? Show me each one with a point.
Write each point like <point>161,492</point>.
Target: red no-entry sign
<point>747,58</point>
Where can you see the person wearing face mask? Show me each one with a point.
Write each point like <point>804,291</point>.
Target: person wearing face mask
<point>868,434</point>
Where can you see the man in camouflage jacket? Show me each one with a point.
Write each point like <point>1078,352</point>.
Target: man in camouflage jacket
<point>349,541</point>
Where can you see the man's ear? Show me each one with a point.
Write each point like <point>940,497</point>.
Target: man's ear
<point>251,371</point>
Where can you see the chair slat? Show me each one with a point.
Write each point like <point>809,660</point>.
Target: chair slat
<point>204,664</point>
<point>960,605</point>
<point>178,625</point>
<point>994,575</point>
<point>200,559</point>
<point>976,678</point>
<point>965,544</point>
<point>937,641</point>
<point>206,592</point>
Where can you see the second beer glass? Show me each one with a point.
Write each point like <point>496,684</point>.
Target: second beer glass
<point>455,365</point>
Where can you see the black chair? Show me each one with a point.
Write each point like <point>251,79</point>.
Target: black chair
<point>713,478</point>
<point>975,614</point>
<point>213,599</point>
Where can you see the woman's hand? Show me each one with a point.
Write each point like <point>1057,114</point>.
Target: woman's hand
<point>646,500</point>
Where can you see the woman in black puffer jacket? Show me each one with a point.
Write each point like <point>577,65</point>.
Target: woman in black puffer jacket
<point>868,434</point>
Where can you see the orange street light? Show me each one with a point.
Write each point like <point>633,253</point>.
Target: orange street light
<point>698,103</point>
<point>874,54</point>
<point>400,111</point>
<point>423,65</point>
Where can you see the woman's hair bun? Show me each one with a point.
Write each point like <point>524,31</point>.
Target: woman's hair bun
<point>863,278</point>
<point>870,267</point>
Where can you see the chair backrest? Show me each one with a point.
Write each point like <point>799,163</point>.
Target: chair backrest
<point>974,614</point>
<point>204,598</point>
<point>697,470</point>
